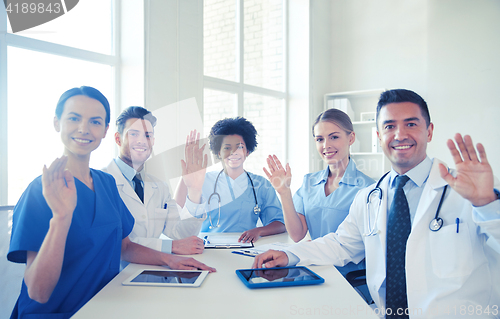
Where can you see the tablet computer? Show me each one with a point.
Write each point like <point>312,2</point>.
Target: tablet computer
<point>167,278</point>
<point>278,277</point>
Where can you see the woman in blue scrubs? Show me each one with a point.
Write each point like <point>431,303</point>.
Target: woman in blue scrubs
<point>235,199</point>
<point>324,199</point>
<point>70,226</point>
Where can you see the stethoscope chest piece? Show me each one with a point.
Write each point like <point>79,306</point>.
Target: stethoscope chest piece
<point>436,224</point>
<point>256,209</point>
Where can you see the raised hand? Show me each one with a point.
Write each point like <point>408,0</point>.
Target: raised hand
<point>279,177</point>
<point>59,189</point>
<point>194,166</point>
<point>474,180</point>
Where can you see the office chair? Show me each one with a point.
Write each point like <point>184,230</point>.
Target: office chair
<point>357,279</point>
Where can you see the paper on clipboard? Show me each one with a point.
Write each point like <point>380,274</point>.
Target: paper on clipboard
<point>252,252</point>
<point>214,241</point>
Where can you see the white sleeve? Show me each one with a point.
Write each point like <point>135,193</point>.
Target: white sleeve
<point>337,248</point>
<point>487,217</point>
<point>181,222</point>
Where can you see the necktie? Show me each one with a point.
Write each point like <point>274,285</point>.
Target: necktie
<point>139,190</point>
<point>398,229</point>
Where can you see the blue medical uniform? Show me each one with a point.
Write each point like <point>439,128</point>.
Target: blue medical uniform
<point>93,245</point>
<point>323,213</point>
<point>238,202</point>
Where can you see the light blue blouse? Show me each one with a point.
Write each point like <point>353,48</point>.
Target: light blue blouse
<point>237,203</point>
<point>323,213</point>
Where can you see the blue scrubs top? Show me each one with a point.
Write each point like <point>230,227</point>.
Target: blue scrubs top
<point>323,213</point>
<point>238,202</point>
<point>93,246</point>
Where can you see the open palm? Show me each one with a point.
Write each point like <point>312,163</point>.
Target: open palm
<point>195,164</point>
<point>474,180</point>
<point>279,177</point>
<point>59,188</point>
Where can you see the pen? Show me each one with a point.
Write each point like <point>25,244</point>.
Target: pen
<point>165,207</point>
<point>458,223</point>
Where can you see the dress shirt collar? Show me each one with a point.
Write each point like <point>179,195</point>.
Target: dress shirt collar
<point>417,175</point>
<point>349,177</point>
<point>126,170</point>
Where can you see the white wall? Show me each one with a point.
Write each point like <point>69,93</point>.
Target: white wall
<point>464,74</point>
<point>445,50</point>
<point>173,74</point>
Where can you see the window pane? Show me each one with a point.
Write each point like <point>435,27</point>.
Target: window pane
<point>266,114</point>
<point>216,106</point>
<point>88,26</point>
<point>219,39</point>
<point>36,81</point>
<point>263,44</point>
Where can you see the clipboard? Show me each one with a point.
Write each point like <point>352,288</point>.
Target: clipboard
<point>224,242</point>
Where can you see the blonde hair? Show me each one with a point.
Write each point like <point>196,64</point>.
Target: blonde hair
<point>337,117</point>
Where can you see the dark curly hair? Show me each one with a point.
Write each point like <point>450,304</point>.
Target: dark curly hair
<point>232,126</point>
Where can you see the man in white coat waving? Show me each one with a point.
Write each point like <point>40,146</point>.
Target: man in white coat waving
<point>149,199</point>
<point>430,234</point>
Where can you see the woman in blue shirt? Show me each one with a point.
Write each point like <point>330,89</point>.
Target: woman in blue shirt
<point>235,199</point>
<point>70,226</point>
<point>323,200</point>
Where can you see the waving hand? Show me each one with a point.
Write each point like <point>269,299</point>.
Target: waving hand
<point>194,166</point>
<point>474,180</point>
<point>59,188</point>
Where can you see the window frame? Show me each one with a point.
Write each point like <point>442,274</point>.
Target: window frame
<point>18,41</point>
<point>239,88</point>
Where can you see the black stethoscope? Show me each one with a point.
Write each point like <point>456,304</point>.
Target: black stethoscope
<point>435,224</point>
<point>256,209</point>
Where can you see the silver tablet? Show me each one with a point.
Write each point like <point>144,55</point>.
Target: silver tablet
<point>167,278</point>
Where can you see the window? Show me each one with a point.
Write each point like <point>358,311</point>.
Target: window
<point>244,68</point>
<point>39,64</point>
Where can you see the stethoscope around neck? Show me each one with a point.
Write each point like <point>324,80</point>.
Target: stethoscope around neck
<point>435,224</point>
<point>256,209</point>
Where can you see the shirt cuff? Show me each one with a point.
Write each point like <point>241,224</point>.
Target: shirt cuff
<point>487,212</point>
<point>166,246</point>
<point>292,258</point>
<point>196,210</point>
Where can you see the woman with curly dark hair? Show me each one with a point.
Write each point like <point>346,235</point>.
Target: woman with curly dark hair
<point>235,199</point>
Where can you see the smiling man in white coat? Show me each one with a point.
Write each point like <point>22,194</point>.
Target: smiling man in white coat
<point>149,199</point>
<point>430,234</point>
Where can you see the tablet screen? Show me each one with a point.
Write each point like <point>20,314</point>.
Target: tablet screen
<point>278,275</point>
<point>165,276</point>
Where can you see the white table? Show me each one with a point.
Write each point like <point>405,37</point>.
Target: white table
<point>223,295</point>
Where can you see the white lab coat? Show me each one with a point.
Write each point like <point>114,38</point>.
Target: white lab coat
<point>151,219</point>
<point>446,271</point>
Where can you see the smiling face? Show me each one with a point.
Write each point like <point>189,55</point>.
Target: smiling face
<point>82,125</point>
<point>233,152</point>
<point>136,142</point>
<point>332,143</point>
<point>403,135</point>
